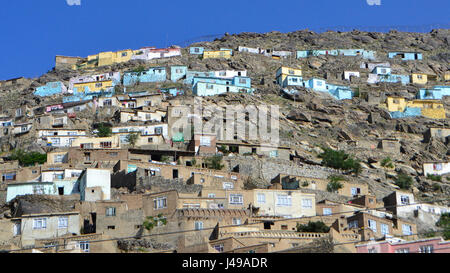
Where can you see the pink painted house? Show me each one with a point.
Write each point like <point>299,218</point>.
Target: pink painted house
<point>429,245</point>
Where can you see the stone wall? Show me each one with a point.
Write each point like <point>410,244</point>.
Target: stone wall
<point>268,169</point>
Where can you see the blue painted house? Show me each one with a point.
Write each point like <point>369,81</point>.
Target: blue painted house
<point>25,188</point>
<point>51,88</point>
<point>196,50</point>
<point>406,56</point>
<point>382,70</point>
<point>366,54</point>
<point>394,78</point>
<point>436,93</point>
<point>209,86</point>
<point>153,74</point>
<point>339,92</point>
<point>177,72</point>
<point>191,74</point>
<point>173,91</point>
<point>409,112</point>
<point>228,49</point>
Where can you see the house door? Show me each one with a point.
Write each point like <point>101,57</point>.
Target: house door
<point>61,190</point>
<point>175,174</point>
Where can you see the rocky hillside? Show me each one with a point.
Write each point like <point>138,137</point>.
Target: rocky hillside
<point>310,120</point>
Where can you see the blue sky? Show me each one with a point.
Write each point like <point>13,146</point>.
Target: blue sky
<point>33,32</point>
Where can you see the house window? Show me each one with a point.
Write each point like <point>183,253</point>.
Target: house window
<point>198,225</point>
<point>219,248</point>
<point>242,81</point>
<point>84,246</point>
<point>356,191</point>
<point>63,222</point>
<point>284,200</point>
<point>307,203</point>
<point>353,224</point>
<point>150,140</point>
<point>16,229</point>
<point>40,223</point>
<point>58,176</point>
<point>124,139</point>
<point>384,229</point>
<point>407,230</point>
<point>404,199</point>
<point>58,158</point>
<point>38,189</point>
<point>55,141</point>
<point>212,195</point>
<point>236,199</point>
<point>107,102</point>
<point>205,141</point>
<point>158,130</point>
<point>373,225</point>
<point>372,250</point>
<point>111,211</point>
<point>124,54</point>
<point>87,146</point>
<point>9,177</point>
<point>327,211</point>
<point>160,202</point>
<point>402,250</point>
<point>236,221</point>
<point>107,144</point>
<point>228,185</point>
<point>261,198</point>
<point>209,86</point>
<point>99,84</point>
<point>426,249</point>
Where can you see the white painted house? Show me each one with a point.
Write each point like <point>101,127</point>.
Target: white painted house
<point>95,185</point>
<point>436,168</point>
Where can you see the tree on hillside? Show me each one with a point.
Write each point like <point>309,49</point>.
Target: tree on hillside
<point>318,226</point>
<point>104,131</point>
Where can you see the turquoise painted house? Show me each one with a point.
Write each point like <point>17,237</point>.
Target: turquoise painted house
<point>436,93</point>
<point>209,86</point>
<point>153,74</point>
<point>19,189</point>
<point>409,112</point>
<point>228,49</point>
<point>177,72</point>
<point>173,91</point>
<point>366,54</point>
<point>406,56</point>
<point>212,89</point>
<point>88,96</point>
<point>382,70</point>
<point>337,91</point>
<point>191,74</point>
<point>196,50</point>
<point>393,78</point>
<point>51,88</point>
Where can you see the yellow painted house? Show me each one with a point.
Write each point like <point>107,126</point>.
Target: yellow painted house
<point>422,78</point>
<point>396,104</point>
<point>285,71</point>
<point>92,86</point>
<point>106,58</point>
<point>97,142</point>
<point>217,54</point>
<point>429,108</point>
